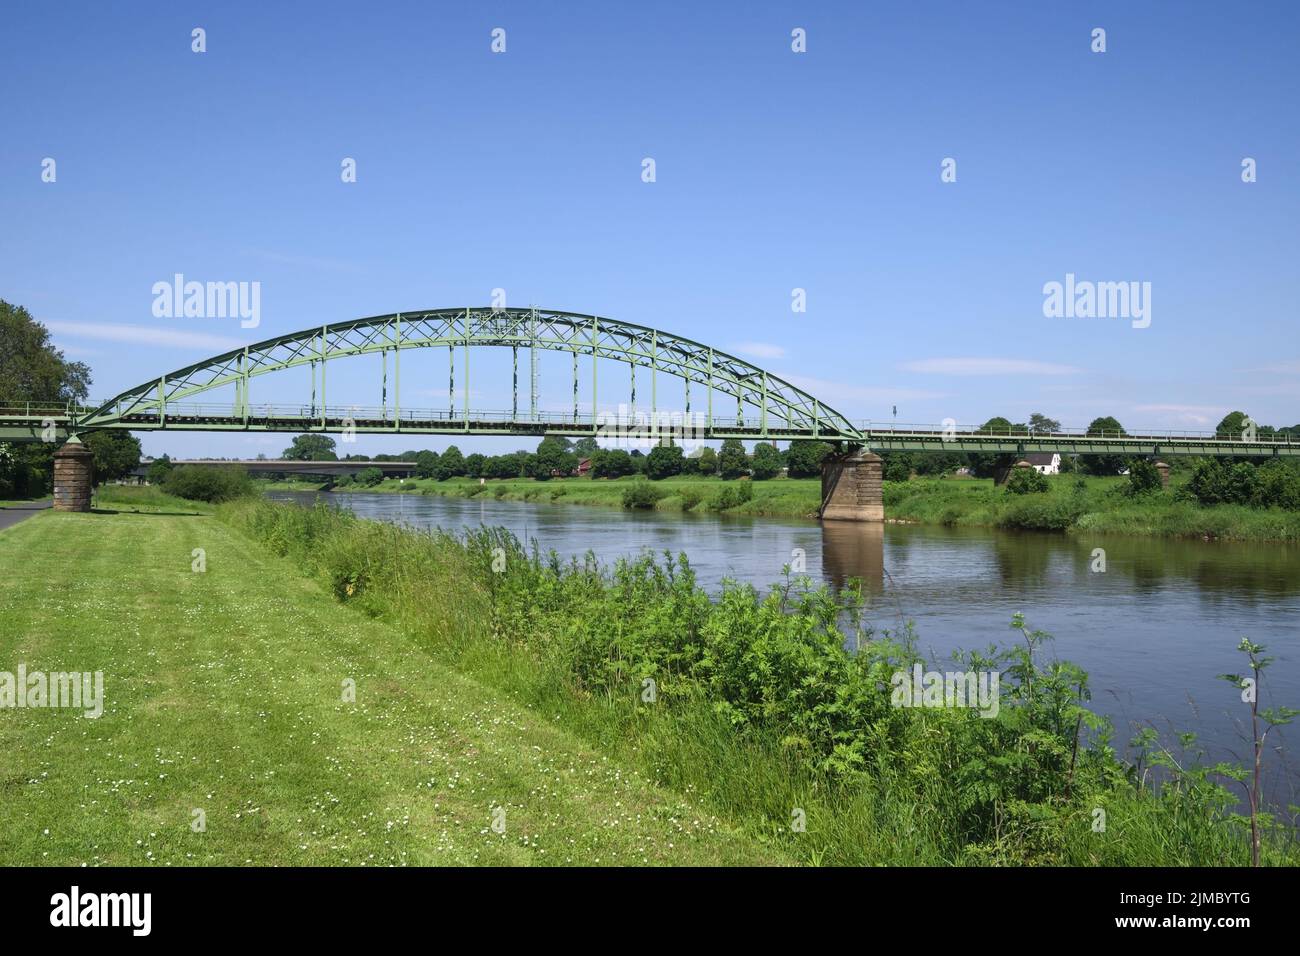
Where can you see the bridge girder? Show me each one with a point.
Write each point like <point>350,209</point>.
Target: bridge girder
<point>783,409</point>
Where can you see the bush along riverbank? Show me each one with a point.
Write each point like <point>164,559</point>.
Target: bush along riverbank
<point>1061,503</point>
<point>749,702</point>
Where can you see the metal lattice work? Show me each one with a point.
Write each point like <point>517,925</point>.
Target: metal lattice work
<point>765,406</point>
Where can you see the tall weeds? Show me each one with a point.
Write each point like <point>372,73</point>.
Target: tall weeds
<point>750,701</point>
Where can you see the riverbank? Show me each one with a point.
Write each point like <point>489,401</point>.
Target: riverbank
<point>1072,503</point>
<point>224,678</point>
<point>638,685</point>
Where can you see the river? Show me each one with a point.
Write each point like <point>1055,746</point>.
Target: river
<point>1153,630</point>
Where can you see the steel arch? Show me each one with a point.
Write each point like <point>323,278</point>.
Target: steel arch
<point>784,411</point>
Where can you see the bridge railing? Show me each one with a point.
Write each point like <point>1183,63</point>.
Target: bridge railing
<point>925,430</point>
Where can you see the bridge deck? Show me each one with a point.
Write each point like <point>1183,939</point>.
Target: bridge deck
<point>55,423</point>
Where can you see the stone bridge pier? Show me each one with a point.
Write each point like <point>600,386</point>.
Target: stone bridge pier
<point>851,486</point>
<point>74,476</point>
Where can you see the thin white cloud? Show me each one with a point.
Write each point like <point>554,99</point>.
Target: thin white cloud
<point>1185,414</point>
<point>145,335</point>
<point>1280,368</point>
<point>761,350</point>
<point>987,366</point>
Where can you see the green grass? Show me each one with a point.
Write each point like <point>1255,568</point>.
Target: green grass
<point>1075,503</point>
<point>761,712</point>
<point>223,693</point>
<point>779,497</point>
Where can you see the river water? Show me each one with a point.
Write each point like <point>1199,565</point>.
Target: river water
<point>1153,630</point>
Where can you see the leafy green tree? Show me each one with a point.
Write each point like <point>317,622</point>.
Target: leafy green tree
<point>732,462</point>
<point>638,461</point>
<point>585,447</point>
<point>158,470</point>
<point>664,461</point>
<point>31,368</point>
<point>1104,464</point>
<point>426,464</point>
<point>1232,425</point>
<point>553,456</point>
<point>988,464</point>
<point>896,466</point>
<point>369,477</point>
<point>451,464</point>
<point>1040,423</point>
<point>707,463</point>
<point>116,453</point>
<point>766,462</point>
<point>805,458</point>
<point>311,447</point>
<point>475,465</point>
<point>611,463</point>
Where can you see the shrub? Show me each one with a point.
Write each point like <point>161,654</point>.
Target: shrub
<point>1028,481</point>
<point>1143,478</point>
<point>212,483</point>
<point>642,494</point>
<point>731,495</point>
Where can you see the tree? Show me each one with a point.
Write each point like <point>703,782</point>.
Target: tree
<point>312,447</point>
<point>1040,423</point>
<point>116,454</point>
<point>451,464</point>
<point>766,462</point>
<point>31,368</point>
<point>805,458</point>
<point>475,465</point>
<point>664,461</point>
<point>1104,464</point>
<point>426,464</point>
<point>158,470</point>
<point>553,456</point>
<point>707,463</point>
<point>988,464</point>
<point>896,466</point>
<point>369,477</point>
<point>585,447</point>
<point>1233,425</point>
<point>611,463</point>
<point>731,460</point>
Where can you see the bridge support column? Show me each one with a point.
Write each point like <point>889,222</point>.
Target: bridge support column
<point>1164,473</point>
<point>74,473</point>
<point>851,487</point>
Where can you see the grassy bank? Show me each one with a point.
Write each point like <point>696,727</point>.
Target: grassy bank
<point>1072,503</point>
<point>1077,503</point>
<point>223,693</point>
<point>749,703</point>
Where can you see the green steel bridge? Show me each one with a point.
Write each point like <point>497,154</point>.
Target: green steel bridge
<point>199,397</point>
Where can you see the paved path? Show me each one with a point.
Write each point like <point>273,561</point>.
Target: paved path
<point>12,514</point>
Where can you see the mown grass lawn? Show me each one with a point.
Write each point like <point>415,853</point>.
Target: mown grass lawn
<point>224,694</point>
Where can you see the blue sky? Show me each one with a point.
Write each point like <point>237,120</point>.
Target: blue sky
<point>775,170</point>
